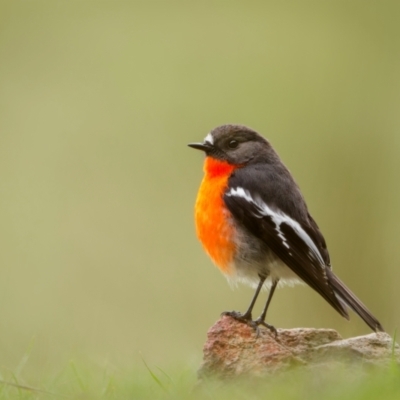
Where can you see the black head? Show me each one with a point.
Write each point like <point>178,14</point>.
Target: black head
<point>236,144</point>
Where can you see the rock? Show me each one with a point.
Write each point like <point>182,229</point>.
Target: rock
<point>234,349</point>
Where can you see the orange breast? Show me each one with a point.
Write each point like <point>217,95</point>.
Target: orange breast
<point>212,217</point>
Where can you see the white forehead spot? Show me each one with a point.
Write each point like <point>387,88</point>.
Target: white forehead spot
<point>209,139</point>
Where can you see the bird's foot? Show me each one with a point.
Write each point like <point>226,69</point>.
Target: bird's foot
<point>260,322</point>
<point>247,319</point>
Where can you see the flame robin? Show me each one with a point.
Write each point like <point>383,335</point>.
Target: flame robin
<point>254,224</point>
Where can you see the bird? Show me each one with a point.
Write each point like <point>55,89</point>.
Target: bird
<point>254,223</point>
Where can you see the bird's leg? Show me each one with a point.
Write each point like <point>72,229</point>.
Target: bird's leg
<point>247,317</point>
<point>261,319</point>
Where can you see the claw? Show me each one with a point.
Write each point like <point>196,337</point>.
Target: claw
<point>238,316</point>
<point>247,319</point>
<point>259,322</point>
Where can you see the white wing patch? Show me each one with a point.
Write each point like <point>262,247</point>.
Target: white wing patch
<point>209,139</point>
<point>278,217</point>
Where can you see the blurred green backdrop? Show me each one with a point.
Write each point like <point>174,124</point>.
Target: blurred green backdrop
<point>98,100</point>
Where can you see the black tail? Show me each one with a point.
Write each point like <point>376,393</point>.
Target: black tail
<point>345,295</point>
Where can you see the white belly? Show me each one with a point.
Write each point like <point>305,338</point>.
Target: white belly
<point>257,259</point>
<point>249,274</point>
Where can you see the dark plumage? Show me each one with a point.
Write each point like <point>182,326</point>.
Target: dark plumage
<point>276,237</point>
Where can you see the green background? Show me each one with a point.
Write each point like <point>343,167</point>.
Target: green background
<point>98,100</point>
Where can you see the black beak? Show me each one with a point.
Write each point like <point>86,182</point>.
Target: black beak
<point>201,146</point>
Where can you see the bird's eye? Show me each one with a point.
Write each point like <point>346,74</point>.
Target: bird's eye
<point>233,144</point>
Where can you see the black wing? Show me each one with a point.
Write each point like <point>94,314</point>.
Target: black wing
<point>276,213</point>
<point>268,203</point>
